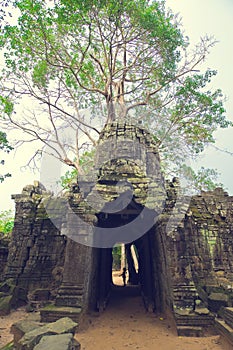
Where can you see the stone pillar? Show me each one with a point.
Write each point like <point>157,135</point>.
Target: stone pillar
<point>73,295</point>
<point>71,292</point>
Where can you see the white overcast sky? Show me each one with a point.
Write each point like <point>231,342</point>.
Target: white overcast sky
<point>199,17</point>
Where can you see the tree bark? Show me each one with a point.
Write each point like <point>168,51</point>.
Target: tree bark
<point>133,276</point>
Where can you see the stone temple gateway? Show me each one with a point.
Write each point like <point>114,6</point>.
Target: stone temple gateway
<point>63,265</point>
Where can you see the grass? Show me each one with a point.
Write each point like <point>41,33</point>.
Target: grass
<point>9,346</point>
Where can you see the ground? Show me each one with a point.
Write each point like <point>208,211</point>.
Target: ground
<point>126,325</point>
<point>6,322</point>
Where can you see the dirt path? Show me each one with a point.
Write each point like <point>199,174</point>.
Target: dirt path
<point>6,322</point>
<point>126,325</point>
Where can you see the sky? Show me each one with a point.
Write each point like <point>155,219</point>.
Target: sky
<point>214,17</point>
<point>199,17</point>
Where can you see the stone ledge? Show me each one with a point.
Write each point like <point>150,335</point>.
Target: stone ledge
<point>225,330</point>
<point>226,313</point>
<point>186,331</point>
<point>194,320</point>
<point>52,314</point>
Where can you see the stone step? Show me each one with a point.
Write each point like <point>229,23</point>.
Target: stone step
<point>69,300</point>
<point>190,331</point>
<point>185,289</point>
<point>71,290</point>
<point>184,295</point>
<point>52,314</point>
<point>192,324</point>
<point>193,320</point>
<point>227,314</point>
<point>224,329</point>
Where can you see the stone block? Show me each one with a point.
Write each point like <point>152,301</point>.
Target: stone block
<point>41,295</point>
<point>216,301</point>
<point>5,305</point>
<point>12,297</point>
<point>7,287</point>
<point>202,311</point>
<point>32,338</point>
<point>19,329</point>
<point>190,331</point>
<point>58,342</point>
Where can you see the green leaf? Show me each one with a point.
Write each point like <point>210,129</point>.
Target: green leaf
<point>6,221</point>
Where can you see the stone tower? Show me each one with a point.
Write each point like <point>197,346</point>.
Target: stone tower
<point>119,202</point>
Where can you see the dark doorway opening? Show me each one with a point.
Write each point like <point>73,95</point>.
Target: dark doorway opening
<point>148,274</point>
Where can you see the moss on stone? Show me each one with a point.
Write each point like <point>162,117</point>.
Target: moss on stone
<point>5,305</point>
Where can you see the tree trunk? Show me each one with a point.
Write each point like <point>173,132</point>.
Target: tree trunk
<point>133,276</point>
<point>123,258</point>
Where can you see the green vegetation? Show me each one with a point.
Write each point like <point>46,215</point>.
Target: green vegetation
<point>4,146</point>
<point>116,255</point>
<point>204,179</point>
<point>9,346</point>
<point>86,161</point>
<point>6,221</point>
<point>124,59</point>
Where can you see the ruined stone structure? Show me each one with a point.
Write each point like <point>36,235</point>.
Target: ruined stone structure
<point>4,242</point>
<point>185,254</point>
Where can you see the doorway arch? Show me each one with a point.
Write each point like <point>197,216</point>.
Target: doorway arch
<point>152,277</point>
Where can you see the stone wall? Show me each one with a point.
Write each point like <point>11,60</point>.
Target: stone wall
<point>4,242</point>
<point>199,240</point>
<point>202,243</point>
<point>210,225</point>
<point>36,251</point>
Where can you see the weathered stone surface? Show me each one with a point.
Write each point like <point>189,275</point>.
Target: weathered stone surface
<point>5,305</point>
<point>36,250</point>
<point>30,339</point>
<point>183,312</point>
<point>185,331</point>
<point>58,342</point>
<point>4,243</point>
<point>218,297</point>
<point>202,311</point>
<point>19,329</point>
<point>225,330</point>
<point>7,286</point>
<point>54,313</point>
<point>11,296</point>
<point>216,301</point>
<point>41,294</point>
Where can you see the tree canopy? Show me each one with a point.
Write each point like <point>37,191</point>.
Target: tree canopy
<point>122,59</point>
<point>5,147</point>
